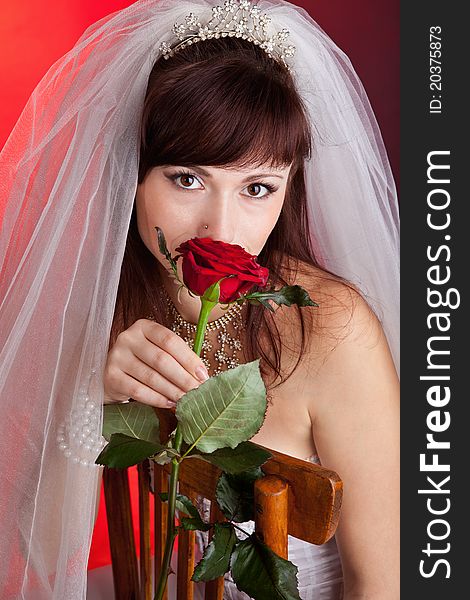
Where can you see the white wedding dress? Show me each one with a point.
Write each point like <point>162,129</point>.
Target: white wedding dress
<point>320,574</point>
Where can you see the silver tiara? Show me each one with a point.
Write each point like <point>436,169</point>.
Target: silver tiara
<point>236,18</point>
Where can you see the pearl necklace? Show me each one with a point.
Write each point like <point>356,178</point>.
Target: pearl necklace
<point>223,352</point>
<point>79,436</point>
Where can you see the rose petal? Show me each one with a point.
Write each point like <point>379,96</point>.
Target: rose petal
<point>206,261</point>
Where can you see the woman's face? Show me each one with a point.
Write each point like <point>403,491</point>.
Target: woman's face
<point>238,206</point>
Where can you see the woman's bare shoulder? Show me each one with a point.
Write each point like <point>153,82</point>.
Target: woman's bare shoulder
<point>347,358</point>
<point>342,311</point>
<point>346,337</point>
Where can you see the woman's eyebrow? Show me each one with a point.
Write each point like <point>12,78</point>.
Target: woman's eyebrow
<point>202,171</point>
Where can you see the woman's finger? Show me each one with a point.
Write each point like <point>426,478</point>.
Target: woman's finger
<point>153,379</point>
<point>140,392</point>
<point>172,344</point>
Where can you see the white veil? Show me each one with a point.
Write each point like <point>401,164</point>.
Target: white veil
<point>68,176</point>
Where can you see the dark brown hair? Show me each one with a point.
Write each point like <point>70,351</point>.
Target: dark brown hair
<point>225,103</point>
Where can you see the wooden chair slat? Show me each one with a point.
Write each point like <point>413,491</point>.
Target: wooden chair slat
<point>121,534</point>
<point>313,513</point>
<point>144,530</point>
<point>314,510</point>
<point>271,513</point>
<point>160,479</point>
<point>214,589</point>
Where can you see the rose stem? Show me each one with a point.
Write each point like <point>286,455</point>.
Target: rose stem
<point>171,530</point>
<point>206,307</point>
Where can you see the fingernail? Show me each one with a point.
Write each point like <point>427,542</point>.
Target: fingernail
<point>171,404</point>
<point>202,374</point>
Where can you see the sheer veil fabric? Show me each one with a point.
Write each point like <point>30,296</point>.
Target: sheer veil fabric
<point>68,177</point>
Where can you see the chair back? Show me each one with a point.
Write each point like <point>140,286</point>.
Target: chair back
<point>294,498</point>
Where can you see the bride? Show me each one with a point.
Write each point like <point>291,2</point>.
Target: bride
<point>269,145</point>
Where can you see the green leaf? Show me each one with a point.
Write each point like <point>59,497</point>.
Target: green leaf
<point>133,419</point>
<point>184,505</point>
<point>162,243</point>
<point>164,250</point>
<point>235,460</point>
<point>192,524</point>
<point>225,410</point>
<point>288,295</point>
<point>124,451</point>
<point>261,573</point>
<point>235,494</point>
<point>216,558</point>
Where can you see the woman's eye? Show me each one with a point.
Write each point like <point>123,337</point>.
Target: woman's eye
<point>254,189</point>
<point>186,181</point>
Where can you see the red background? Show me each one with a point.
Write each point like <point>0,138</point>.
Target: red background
<point>34,34</point>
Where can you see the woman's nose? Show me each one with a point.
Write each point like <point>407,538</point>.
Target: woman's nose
<point>219,221</point>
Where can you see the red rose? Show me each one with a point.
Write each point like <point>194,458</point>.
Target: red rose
<point>205,261</point>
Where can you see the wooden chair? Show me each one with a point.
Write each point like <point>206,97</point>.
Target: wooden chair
<point>295,498</point>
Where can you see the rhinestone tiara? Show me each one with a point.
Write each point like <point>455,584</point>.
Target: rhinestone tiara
<point>236,18</point>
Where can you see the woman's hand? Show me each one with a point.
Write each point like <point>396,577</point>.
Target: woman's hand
<point>152,365</point>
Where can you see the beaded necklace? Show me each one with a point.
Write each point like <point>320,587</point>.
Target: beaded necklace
<point>220,354</point>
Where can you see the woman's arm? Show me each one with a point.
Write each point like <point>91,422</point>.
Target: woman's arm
<point>355,425</point>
